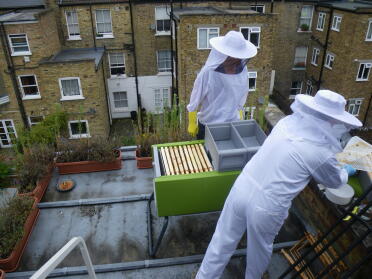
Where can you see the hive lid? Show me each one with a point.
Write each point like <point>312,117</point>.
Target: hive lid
<point>341,195</point>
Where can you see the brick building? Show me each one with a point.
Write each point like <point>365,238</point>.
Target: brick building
<point>115,56</point>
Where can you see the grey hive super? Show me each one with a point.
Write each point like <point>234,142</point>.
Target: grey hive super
<point>231,145</point>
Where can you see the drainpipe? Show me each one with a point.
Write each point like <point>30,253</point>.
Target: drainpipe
<point>10,63</point>
<point>106,91</point>
<point>91,23</point>
<point>325,49</point>
<point>139,104</point>
<point>174,90</point>
<point>272,6</point>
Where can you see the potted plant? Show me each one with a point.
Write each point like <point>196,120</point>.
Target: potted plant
<point>144,142</point>
<point>88,155</point>
<point>304,27</point>
<point>33,178</point>
<point>17,220</point>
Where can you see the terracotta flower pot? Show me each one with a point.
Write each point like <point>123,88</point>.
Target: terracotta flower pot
<point>143,162</point>
<point>11,263</point>
<point>89,166</point>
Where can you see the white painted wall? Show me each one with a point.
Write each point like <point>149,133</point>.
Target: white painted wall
<point>147,85</point>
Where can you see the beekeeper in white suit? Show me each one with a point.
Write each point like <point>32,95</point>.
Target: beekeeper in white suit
<point>221,87</point>
<point>301,146</point>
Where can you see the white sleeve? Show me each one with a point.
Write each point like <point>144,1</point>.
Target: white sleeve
<point>198,92</point>
<point>330,174</point>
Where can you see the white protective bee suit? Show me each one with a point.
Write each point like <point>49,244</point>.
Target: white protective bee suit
<point>299,147</point>
<point>222,95</point>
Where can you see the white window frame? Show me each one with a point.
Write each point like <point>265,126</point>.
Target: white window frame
<point>329,58</point>
<point>369,29</point>
<point>113,101</point>
<point>70,98</point>
<point>309,88</point>
<point>161,100</point>
<point>164,70</point>
<point>336,20</point>
<point>72,37</point>
<point>19,53</point>
<point>311,18</point>
<point>113,67</point>
<point>294,62</point>
<point>357,102</point>
<point>28,97</point>
<point>7,134</point>
<point>35,123</point>
<point>258,28</point>
<point>252,75</point>
<point>162,33</point>
<point>367,67</point>
<point>321,21</point>
<point>208,35</point>
<point>292,96</point>
<point>109,35</point>
<point>315,56</point>
<point>87,135</point>
<point>254,8</point>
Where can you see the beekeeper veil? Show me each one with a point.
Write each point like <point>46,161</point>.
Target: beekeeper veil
<point>321,119</point>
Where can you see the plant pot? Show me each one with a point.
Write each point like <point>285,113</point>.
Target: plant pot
<point>11,263</point>
<point>143,162</point>
<point>89,166</point>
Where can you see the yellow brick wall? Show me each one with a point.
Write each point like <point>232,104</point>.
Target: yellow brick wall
<point>190,59</point>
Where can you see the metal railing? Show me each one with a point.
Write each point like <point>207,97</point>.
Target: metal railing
<point>50,265</point>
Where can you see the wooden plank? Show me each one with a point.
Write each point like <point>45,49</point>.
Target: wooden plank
<point>174,162</point>
<point>183,159</point>
<point>292,261</point>
<point>188,159</point>
<point>201,158</point>
<point>193,160</point>
<point>178,159</point>
<point>296,255</point>
<point>165,161</point>
<point>169,160</point>
<point>209,165</point>
<point>200,168</point>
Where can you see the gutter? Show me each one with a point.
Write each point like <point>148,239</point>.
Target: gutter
<point>10,63</point>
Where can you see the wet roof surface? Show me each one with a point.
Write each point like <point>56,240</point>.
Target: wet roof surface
<point>20,3</point>
<point>209,11</point>
<point>117,233</point>
<point>348,5</point>
<point>21,15</point>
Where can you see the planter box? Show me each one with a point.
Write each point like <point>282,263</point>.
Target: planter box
<point>143,162</point>
<point>88,166</point>
<point>11,263</point>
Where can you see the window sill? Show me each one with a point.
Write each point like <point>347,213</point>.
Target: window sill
<point>204,48</point>
<point>327,67</point>
<point>361,80</point>
<point>300,31</point>
<point>368,40</point>
<point>299,68</point>
<point>320,30</point>
<point>315,65</point>
<point>36,97</point>
<point>22,53</point>
<point>80,136</point>
<point>335,30</point>
<point>251,90</point>
<point>105,37</point>
<point>74,39</point>
<point>72,99</point>
<point>118,77</point>
<point>164,73</point>
<point>163,33</point>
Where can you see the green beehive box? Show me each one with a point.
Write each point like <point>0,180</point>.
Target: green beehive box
<point>190,193</point>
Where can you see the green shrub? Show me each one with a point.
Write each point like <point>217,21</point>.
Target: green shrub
<point>5,171</point>
<point>12,220</point>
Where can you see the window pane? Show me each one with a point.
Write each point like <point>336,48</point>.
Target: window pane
<point>203,38</point>
<point>78,128</point>
<point>28,80</point>
<point>369,31</point>
<point>361,70</point>
<point>70,87</point>
<point>254,38</point>
<point>166,25</point>
<point>159,25</point>
<point>245,32</point>
<point>365,73</point>
<point>120,99</point>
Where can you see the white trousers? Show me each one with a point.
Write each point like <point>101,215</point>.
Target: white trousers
<point>246,208</point>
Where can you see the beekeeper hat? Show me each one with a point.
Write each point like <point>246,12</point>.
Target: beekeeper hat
<point>233,44</point>
<point>330,104</point>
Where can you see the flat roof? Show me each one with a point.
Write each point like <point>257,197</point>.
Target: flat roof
<point>77,54</point>
<point>21,15</point>
<point>346,5</point>
<point>12,4</point>
<point>178,12</point>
